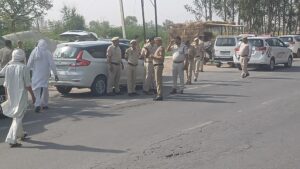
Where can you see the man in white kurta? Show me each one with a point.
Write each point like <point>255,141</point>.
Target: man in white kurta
<point>41,63</point>
<point>16,83</point>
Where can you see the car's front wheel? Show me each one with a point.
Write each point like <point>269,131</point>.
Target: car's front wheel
<point>272,64</point>
<point>99,86</point>
<point>289,63</point>
<point>64,89</point>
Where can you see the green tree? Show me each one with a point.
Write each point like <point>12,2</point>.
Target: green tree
<point>131,20</point>
<point>71,19</point>
<point>22,11</point>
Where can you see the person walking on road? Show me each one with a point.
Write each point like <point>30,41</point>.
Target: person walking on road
<point>180,53</point>
<point>199,57</point>
<point>147,53</point>
<point>244,54</point>
<point>17,85</point>
<point>41,63</point>
<point>5,53</point>
<point>132,56</point>
<point>158,63</point>
<point>114,61</point>
<point>190,63</point>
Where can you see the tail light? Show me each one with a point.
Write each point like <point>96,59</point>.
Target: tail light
<point>80,61</point>
<point>261,49</point>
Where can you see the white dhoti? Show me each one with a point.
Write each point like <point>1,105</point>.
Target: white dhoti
<point>16,131</point>
<point>42,96</point>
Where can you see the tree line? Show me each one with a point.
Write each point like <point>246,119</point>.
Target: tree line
<point>259,16</point>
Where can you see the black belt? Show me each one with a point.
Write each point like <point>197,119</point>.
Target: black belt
<point>131,64</point>
<point>115,63</point>
<point>178,62</point>
<point>160,64</point>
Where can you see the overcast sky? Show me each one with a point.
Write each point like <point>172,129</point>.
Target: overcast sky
<point>109,10</point>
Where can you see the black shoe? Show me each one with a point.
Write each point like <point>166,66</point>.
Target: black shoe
<point>158,99</point>
<point>15,145</point>
<point>174,91</point>
<point>195,80</point>
<point>38,109</point>
<point>110,94</point>
<point>45,107</point>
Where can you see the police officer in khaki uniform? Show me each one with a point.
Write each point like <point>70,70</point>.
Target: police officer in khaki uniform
<point>132,56</point>
<point>147,53</point>
<point>5,54</point>
<point>244,53</point>
<point>190,62</point>
<point>179,55</point>
<point>199,57</point>
<point>158,63</point>
<point>114,61</point>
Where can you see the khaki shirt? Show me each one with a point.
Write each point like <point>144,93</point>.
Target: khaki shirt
<point>148,52</point>
<point>191,52</point>
<point>179,52</point>
<point>159,53</point>
<point>244,50</point>
<point>199,49</point>
<point>132,55</point>
<point>115,53</point>
<point>5,56</point>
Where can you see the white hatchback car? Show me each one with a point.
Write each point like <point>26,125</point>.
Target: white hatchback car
<point>224,49</point>
<point>84,65</point>
<point>293,41</point>
<point>267,51</point>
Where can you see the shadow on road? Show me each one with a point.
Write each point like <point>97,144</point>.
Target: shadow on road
<point>205,98</point>
<point>53,146</point>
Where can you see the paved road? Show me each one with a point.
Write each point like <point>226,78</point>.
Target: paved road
<point>221,122</point>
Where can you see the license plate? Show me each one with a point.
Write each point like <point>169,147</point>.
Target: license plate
<point>225,52</point>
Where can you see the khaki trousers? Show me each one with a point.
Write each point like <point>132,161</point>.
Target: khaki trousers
<point>178,70</point>
<point>131,78</point>
<point>199,62</point>
<point>149,77</point>
<point>113,78</point>
<point>190,69</point>
<point>158,72</point>
<point>244,65</point>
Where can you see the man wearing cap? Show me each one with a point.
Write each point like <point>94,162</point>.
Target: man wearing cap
<point>114,61</point>
<point>17,85</point>
<point>147,53</point>
<point>5,53</point>
<point>244,53</point>
<point>199,57</point>
<point>158,63</point>
<point>180,53</point>
<point>132,55</point>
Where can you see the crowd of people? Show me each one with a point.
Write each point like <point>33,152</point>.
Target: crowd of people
<point>19,81</point>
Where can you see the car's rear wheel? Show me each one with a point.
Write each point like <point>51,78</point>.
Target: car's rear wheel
<point>99,86</point>
<point>272,64</point>
<point>289,63</point>
<point>219,64</point>
<point>64,89</point>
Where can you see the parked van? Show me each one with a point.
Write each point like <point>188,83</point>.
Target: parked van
<point>224,49</point>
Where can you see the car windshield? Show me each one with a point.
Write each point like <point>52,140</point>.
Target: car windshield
<point>256,42</point>
<point>65,52</point>
<point>225,42</point>
<point>287,39</point>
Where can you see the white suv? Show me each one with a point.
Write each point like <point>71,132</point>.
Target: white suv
<point>267,51</point>
<point>293,41</point>
<point>84,65</point>
<point>224,49</point>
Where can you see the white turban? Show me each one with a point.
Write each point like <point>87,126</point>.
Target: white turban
<point>41,50</point>
<point>18,55</point>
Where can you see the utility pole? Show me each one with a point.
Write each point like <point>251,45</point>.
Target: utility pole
<point>122,19</point>
<point>143,14</point>
<point>155,8</point>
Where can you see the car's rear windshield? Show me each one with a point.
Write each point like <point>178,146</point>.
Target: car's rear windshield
<point>256,42</point>
<point>66,52</point>
<point>297,38</point>
<point>225,42</point>
<point>287,39</point>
